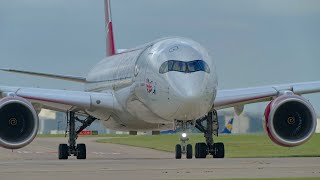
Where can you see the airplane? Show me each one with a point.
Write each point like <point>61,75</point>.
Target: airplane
<point>228,128</point>
<point>168,82</point>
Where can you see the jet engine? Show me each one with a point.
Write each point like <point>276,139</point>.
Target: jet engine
<point>290,120</point>
<point>19,122</point>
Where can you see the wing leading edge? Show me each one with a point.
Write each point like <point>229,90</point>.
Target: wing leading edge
<point>62,100</point>
<point>54,76</point>
<point>239,97</point>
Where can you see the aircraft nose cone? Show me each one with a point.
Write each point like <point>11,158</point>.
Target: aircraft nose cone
<point>191,94</point>
<point>186,90</point>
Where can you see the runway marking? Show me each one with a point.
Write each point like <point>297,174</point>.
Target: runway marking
<point>54,152</point>
<point>104,153</point>
<point>24,152</point>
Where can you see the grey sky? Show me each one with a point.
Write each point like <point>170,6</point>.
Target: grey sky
<point>253,42</point>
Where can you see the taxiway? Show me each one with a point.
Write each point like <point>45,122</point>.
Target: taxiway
<point>109,161</point>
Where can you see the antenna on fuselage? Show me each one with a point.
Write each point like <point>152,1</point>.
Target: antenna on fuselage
<point>110,46</point>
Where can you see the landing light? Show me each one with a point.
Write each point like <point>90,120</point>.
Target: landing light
<point>184,135</point>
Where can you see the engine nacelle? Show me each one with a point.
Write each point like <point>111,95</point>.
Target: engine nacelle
<point>19,122</point>
<point>290,120</point>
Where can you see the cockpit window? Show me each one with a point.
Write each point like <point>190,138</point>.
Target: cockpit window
<point>185,67</point>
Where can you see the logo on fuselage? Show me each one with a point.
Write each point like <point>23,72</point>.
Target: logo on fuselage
<point>151,86</point>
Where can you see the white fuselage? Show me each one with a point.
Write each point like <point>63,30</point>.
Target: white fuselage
<point>147,98</point>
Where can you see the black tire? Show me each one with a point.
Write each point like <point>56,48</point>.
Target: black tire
<point>218,150</point>
<point>196,150</point>
<point>63,151</point>
<point>201,150</point>
<point>189,151</point>
<point>82,151</point>
<point>178,151</point>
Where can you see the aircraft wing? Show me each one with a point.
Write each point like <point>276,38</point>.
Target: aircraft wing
<point>240,97</point>
<point>61,100</point>
<point>54,76</point>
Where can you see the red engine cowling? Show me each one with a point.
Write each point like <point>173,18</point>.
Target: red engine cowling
<point>290,120</point>
<point>18,122</point>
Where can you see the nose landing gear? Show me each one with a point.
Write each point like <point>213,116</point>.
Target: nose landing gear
<point>183,148</point>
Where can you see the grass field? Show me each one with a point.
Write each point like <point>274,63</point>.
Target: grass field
<point>303,178</point>
<point>235,145</point>
<point>62,135</point>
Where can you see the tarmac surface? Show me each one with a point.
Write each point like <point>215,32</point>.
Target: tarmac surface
<point>108,161</point>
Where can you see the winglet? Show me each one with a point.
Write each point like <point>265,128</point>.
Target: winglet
<point>110,46</point>
<point>54,76</point>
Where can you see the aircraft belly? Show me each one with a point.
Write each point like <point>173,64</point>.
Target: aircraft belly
<point>140,111</point>
<point>125,121</point>
<point>136,125</point>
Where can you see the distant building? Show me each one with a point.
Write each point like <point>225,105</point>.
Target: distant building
<point>56,122</point>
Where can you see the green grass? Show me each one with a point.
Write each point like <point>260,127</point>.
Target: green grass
<point>235,145</point>
<point>303,178</point>
<point>101,135</point>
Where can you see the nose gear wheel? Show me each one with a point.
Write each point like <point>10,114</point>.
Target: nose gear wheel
<point>183,148</point>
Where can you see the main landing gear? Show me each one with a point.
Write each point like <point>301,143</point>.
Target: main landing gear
<point>202,149</point>
<point>72,148</point>
<point>209,147</point>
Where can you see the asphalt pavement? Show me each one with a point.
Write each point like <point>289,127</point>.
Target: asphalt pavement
<point>108,161</point>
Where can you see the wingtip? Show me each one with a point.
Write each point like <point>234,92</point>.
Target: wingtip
<point>4,69</point>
